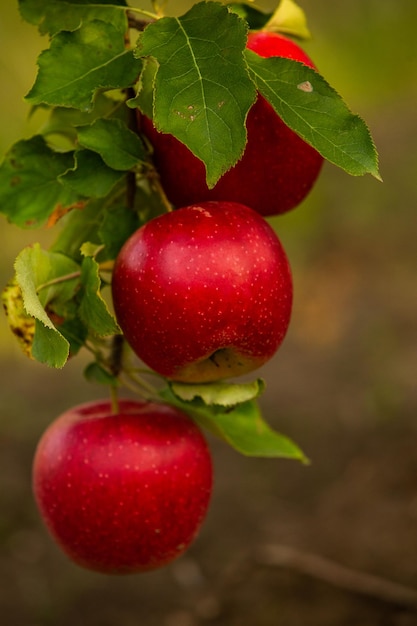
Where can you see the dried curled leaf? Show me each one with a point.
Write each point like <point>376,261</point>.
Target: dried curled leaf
<point>21,324</point>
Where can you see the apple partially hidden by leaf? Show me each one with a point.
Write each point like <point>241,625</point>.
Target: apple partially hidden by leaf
<point>123,491</point>
<point>204,292</point>
<point>277,169</point>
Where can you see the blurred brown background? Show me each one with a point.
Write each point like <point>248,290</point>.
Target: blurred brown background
<point>343,386</point>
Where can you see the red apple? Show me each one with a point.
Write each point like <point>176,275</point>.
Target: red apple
<point>204,292</point>
<point>122,492</point>
<point>277,170</point>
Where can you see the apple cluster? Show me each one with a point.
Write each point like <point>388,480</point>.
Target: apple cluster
<point>201,293</point>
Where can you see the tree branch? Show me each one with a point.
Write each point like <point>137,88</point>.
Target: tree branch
<point>337,575</point>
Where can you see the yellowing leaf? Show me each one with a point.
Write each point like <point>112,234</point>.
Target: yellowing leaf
<point>21,324</point>
<point>289,18</point>
<point>36,274</point>
<point>219,393</point>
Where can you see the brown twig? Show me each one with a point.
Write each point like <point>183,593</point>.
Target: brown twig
<point>136,22</point>
<point>214,593</point>
<point>337,575</point>
<point>115,359</point>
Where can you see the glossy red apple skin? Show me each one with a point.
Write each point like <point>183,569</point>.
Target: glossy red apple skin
<point>125,492</point>
<point>277,170</point>
<point>204,292</point>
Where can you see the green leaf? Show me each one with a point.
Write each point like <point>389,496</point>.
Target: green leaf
<point>242,427</point>
<point>75,333</point>
<point>93,309</point>
<point>119,147</point>
<point>64,120</point>
<point>49,269</point>
<point>46,278</point>
<point>316,112</point>
<point>117,226</point>
<point>219,393</point>
<point>79,63</point>
<point>146,85</point>
<point>255,18</point>
<point>78,227</point>
<point>289,18</point>
<point>49,346</point>
<point>29,189</point>
<point>90,248</point>
<point>95,373</point>
<point>91,177</point>
<point>202,88</point>
<point>35,269</point>
<point>52,16</point>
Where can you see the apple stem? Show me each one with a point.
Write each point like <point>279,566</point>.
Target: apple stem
<point>157,186</point>
<point>115,358</point>
<point>151,172</point>
<point>134,22</point>
<point>131,175</point>
<point>130,190</point>
<point>114,399</point>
